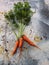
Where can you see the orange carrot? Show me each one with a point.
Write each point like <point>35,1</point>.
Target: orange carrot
<point>15,47</point>
<point>20,46</point>
<point>25,38</point>
<point>20,43</point>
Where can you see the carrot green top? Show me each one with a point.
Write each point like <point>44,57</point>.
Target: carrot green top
<point>19,16</point>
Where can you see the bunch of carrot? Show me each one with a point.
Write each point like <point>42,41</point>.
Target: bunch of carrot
<point>18,18</point>
<point>19,43</point>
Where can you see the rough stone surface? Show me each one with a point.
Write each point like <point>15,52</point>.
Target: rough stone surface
<point>31,56</point>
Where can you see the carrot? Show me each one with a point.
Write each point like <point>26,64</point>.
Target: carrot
<point>20,46</point>
<point>25,38</point>
<point>20,43</point>
<point>15,47</point>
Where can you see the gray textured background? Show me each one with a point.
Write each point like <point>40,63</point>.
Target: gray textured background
<point>39,25</point>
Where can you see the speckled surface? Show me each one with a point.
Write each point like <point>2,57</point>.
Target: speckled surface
<point>31,55</point>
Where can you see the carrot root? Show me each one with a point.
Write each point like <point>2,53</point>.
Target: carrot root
<point>15,47</point>
<point>20,45</point>
<point>29,42</point>
<point>20,42</point>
